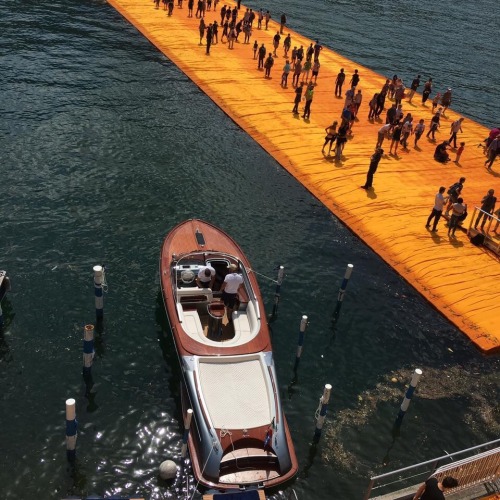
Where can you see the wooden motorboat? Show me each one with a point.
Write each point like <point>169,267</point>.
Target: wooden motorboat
<point>239,435</point>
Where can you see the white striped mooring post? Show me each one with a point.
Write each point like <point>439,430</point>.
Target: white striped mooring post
<point>277,293</point>
<point>320,420</point>
<point>88,352</point>
<point>187,425</point>
<point>409,393</point>
<point>343,286</point>
<point>302,330</point>
<point>71,428</point>
<point>98,292</point>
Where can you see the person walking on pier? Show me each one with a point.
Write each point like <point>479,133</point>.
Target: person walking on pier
<point>339,82</point>
<point>455,128</point>
<point>437,210</point>
<point>267,17</point>
<point>396,137</point>
<point>309,98</point>
<point>255,49</point>
<point>331,136</point>
<point>260,17</point>
<point>493,151</point>
<point>427,90</point>
<point>373,107</point>
<point>262,56</point>
<point>276,43</point>
<point>434,124</point>
<point>374,161</point>
<point>225,31</point>
<point>201,27</point>
<point>383,133</point>
<point>231,38</point>
<point>459,210</point>
<point>223,15</point>
<point>268,65</point>
<point>432,489</point>
<point>297,70</point>
<point>413,88</point>
<point>209,38</point>
<point>315,70</point>
<point>287,43</point>
<point>305,70</point>
<point>446,100</point>
<point>354,80</point>
<point>487,207</point>
<point>282,22</point>
<point>298,98</point>
<point>419,130</point>
<point>284,76</point>
<point>317,49</point>
<point>454,193</point>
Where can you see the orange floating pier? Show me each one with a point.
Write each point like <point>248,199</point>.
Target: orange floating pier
<point>458,278</point>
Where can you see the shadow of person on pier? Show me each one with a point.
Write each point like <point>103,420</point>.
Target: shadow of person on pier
<point>370,193</point>
<point>455,242</point>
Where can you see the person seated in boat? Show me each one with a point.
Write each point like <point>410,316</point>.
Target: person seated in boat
<point>206,277</point>
<point>230,289</point>
<point>441,154</point>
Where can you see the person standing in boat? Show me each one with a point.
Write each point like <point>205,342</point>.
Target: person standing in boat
<point>230,289</point>
<point>206,277</point>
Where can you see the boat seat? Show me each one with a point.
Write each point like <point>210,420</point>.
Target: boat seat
<point>191,324</point>
<point>247,453</point>
<point>194,294</point>
<point>245,321</point>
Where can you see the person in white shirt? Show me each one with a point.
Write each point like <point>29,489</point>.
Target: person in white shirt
<point>230,289</point>
<point>437,211</point>
<point>206,277</point>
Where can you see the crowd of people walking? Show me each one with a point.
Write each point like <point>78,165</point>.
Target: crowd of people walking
<point>401,128</point>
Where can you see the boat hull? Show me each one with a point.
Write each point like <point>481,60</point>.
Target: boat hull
<point>239,437</point>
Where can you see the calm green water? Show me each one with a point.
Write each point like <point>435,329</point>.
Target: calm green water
<point>105,146</point>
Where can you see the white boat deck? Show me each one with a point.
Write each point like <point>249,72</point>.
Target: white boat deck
<point>236,391</point>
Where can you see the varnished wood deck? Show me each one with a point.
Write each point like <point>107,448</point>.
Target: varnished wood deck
<point>458,278</point>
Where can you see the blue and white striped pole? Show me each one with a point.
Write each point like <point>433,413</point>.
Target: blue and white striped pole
<point>71,428</point>
<point>277,293</point>
<point>320,418</point>
<point>185,436</point>
<point>302,330</point>
<point>343,286</point>
<point>98,292</point>
<point>409,393</point>
<point>88,353</point>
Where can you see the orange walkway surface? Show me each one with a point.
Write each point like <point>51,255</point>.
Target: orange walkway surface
<point>459,279</point>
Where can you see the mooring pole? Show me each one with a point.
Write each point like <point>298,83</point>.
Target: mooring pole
<point>98,292</point>
<point>343,286</point>
<point>88,354</point>
<point>302,330</point>
<point>409,393</point>
<point>277,293</point>
<point>71,428</point>
<point>323,407</point>
<point>187,425</point>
